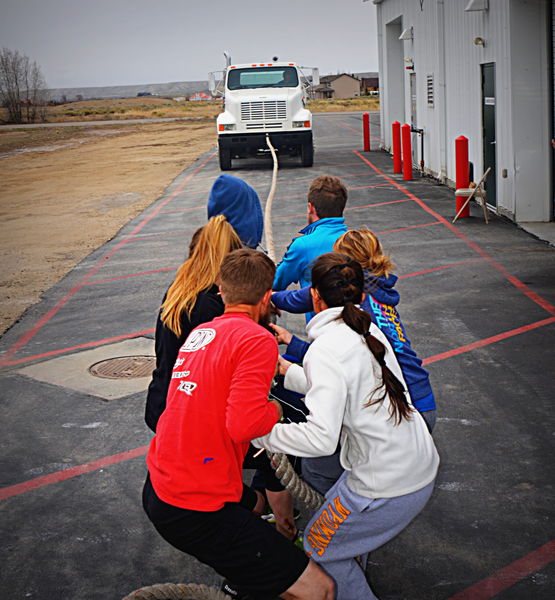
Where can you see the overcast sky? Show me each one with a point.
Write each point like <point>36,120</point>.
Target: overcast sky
<point>81,43</point>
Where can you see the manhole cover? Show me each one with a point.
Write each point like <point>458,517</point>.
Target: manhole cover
<point>124,367</point>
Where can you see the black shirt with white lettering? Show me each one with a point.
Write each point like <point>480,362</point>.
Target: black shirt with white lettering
<point>207,306</point>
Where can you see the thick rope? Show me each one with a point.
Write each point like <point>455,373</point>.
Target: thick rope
<point>298,488</point>
<point>177,591</point>
<point>268,231</point>
<point>284,471</point>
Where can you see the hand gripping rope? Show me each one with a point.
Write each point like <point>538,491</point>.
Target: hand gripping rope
<point>298,488</point>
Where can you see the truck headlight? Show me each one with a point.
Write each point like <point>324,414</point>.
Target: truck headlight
<point>301,123</point>
<point>226,127</point>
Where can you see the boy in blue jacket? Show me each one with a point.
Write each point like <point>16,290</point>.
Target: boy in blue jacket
<point>327,197</point>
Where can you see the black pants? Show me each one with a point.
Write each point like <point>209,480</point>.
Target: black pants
<point>235,543</point>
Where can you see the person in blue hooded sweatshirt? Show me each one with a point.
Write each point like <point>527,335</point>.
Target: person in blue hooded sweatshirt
<point>234,198</point>
<point>380,303</point>
<point>327,197</point>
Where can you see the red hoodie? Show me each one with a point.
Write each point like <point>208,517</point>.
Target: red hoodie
<point>217,402</point>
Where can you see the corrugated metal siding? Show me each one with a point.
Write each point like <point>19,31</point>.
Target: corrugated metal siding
<point>462,85</point>
<point>460,113</point>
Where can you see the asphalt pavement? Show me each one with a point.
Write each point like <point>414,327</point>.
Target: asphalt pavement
<point>477,301</point>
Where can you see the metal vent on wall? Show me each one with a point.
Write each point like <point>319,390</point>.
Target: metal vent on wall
<point>430,90</point>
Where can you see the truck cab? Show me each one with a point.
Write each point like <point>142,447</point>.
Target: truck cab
<point>260,99</point>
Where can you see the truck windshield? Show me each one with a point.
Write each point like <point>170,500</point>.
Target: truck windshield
<point>242,79</point>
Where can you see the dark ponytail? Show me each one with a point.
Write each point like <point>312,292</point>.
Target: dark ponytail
<point>339,280</point>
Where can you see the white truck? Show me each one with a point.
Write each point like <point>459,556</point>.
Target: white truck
<point>259,99</point>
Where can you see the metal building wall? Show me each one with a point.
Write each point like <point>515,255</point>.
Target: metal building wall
<point>443,47</point>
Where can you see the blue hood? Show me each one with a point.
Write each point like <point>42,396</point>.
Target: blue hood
<point>232,197</point>
<point>381,288</point>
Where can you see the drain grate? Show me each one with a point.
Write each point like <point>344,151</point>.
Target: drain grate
<point>124,367</point>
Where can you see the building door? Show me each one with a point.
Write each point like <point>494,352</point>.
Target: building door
<point>488,131</point>
<point>413,121</point>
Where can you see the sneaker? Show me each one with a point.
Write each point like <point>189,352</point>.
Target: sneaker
<point>270,517</point>
<point>298,540</point>
<point>230,589</point>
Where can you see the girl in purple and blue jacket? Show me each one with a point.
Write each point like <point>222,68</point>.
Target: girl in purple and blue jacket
<point>380,303</point>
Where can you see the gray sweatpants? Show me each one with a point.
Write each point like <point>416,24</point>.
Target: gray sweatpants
<point>348,526</point>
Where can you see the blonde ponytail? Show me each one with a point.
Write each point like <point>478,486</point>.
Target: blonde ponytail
<point>363,246</point>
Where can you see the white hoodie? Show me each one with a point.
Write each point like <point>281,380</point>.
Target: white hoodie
<point>339,377</point>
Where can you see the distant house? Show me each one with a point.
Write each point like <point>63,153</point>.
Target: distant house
<point>337,86</point>
<point>369,82</point>
<point>199,96</point>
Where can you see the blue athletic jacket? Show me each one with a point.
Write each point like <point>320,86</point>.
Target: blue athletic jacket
<point>380,302</point>
<point>317,238</point>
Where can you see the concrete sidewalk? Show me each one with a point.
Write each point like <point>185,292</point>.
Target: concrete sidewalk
<point>478,303</point>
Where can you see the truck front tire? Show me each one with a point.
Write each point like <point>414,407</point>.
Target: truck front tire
<point>225,158</point>
<point>307,154</point>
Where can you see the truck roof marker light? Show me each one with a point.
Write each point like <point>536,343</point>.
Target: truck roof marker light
<point>232,67</point>
<point>253,65</point>
<point>291,64</point>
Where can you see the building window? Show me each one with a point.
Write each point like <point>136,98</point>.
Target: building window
<point>430,90</point>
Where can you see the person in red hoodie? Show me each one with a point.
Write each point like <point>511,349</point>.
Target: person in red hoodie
<point>217,402</point>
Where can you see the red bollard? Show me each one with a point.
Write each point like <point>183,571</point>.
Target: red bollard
<point>407,152</point>
<point>366,131</point>
<point>396,144</point>
<point>462,174</point>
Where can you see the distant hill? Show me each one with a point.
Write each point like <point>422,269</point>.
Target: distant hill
<point>173,89</point>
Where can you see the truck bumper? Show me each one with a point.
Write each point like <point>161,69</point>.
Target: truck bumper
<point>250,143</point>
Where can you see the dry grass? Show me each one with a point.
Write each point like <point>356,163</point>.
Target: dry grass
<point>347,104</point>
<point>128,108</point>
<point>131,108</point>
<point>153,107</point>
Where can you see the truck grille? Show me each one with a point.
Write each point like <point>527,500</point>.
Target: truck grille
<point>263,110</point>
<point>264,126</point>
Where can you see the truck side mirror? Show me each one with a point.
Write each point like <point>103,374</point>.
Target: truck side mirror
<point>212,83</point>
<point>315,77</point>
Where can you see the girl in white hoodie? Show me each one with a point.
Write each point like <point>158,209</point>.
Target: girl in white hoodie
<point>357,397</point>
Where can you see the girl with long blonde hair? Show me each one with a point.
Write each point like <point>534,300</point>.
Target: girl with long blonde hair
<point>191,299</point>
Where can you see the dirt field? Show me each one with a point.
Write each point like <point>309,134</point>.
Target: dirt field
<point>66,191</point>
